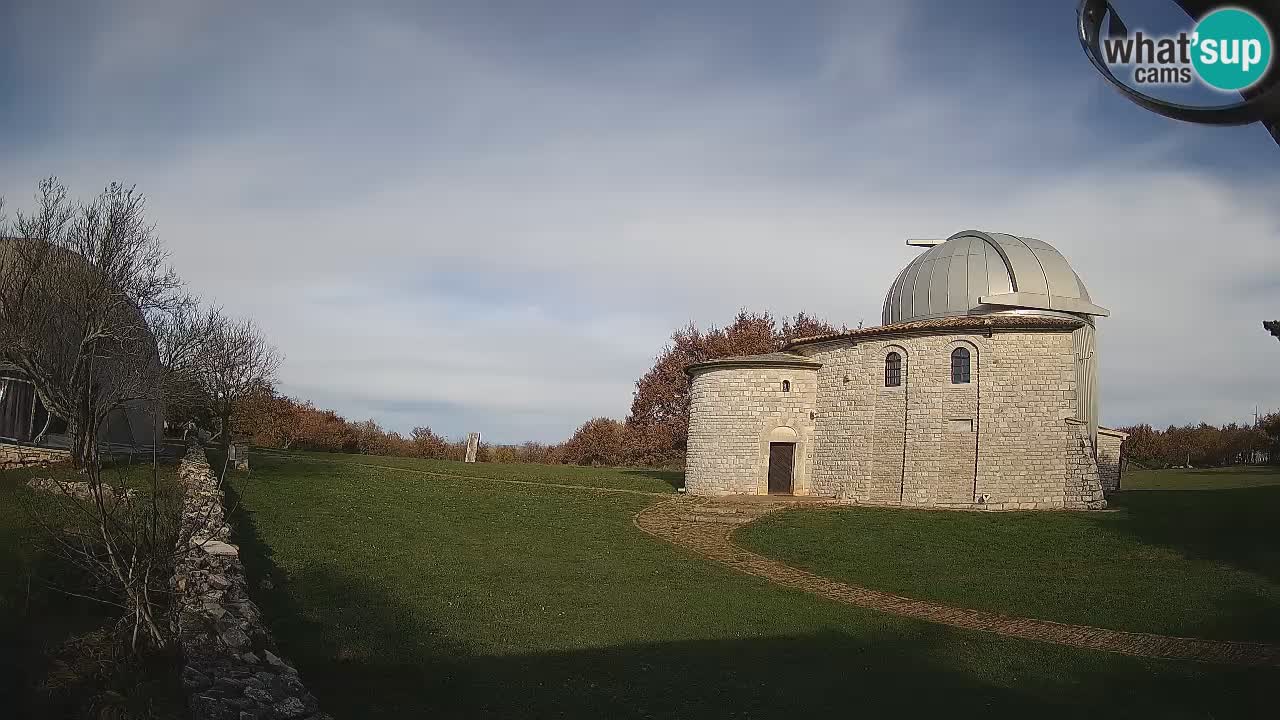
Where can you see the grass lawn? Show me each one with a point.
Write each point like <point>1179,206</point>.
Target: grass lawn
<point>642,479</point>
<point>1189,552</point>
<point>401,594</point>
<point>36,617</point>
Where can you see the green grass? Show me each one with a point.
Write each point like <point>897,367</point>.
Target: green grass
<point>641,479</point>
<point>401,594</point>
<point>36,616</point>
<point>1190,553</point>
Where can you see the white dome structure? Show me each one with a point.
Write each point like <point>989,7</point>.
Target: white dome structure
<point>978,273</point>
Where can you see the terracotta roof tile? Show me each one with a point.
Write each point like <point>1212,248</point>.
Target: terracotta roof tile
<point>775,359</point>
<point>963,322</point>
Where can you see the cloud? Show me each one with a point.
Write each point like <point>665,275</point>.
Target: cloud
<point>443,220</point>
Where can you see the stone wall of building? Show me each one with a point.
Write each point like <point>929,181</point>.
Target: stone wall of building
<point>841,465</point>
<point>1110,458</point>
<point>734,412</point>
<point>232,671</point>
<point>886,444</point>
<point>912,444</point>
<point>1082,487</point>
<point>1009,439</point>
<point>1001,441</point>
<point>17,456</point>
<point>1027,399</point>
<point>942,422</point>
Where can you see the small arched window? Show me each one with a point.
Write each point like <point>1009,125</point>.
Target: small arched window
<point>892,370</point>
<point>786,386</point>
<point>959,366</point>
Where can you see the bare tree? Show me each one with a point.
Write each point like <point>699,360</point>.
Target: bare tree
<point>658,426</point>
<point>79,284</point>
<point>85,293</point>
<point>91,312</point>
<point>182,337</point>
<point>237,361</point>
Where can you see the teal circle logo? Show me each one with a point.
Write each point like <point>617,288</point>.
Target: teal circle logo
<point>1232,49</point>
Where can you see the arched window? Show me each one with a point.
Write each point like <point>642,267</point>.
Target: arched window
<point>959,366</point>
<point>786,386</point>
<point>892,370</point>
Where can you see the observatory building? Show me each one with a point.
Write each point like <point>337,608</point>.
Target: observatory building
<point>978,391</point>
<point>30,434</point>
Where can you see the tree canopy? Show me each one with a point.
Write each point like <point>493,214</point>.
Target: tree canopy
<point>658,426</point>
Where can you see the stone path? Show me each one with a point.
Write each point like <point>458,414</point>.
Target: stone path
<point>704,525</point>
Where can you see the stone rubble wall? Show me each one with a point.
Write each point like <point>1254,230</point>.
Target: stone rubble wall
<point>74,489</point>
<point>19,456</point>
<point>232,670</point>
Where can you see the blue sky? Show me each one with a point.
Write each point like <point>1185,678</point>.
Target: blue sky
<point>490,216</point>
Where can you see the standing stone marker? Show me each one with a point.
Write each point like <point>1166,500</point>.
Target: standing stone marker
<point>238,454</point>
<point>473,444</point>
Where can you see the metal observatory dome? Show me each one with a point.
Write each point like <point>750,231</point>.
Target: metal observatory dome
<point>977,273</point>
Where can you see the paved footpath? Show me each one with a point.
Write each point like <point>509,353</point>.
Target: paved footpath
<point>704,525</point>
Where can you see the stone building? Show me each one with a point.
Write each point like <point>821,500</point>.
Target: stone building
<point>979,390</point>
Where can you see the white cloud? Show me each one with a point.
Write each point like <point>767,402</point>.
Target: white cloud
<point>436,232</point>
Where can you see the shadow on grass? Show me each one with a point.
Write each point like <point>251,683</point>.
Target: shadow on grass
<point>385,660</point>
<point>674,478</point>
<point>33,618</point>
<point>33,615</point>
<point>1234,526</point>
<point>1253,472</point>
<point>56,653</point>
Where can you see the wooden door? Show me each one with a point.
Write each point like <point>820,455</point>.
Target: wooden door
<point>781,465</point>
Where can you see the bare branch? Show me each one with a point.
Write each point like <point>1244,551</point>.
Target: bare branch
<point>237,362</point>
<point>87,302</point>
<point>79,285</point>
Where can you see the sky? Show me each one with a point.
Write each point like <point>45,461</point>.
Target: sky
<point>491,216</point>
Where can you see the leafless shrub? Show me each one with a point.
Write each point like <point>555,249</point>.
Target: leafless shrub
<point>94,316</point>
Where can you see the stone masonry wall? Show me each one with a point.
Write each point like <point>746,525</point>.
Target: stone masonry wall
<point>999,442</point>
<point>1029,395</point>
<point>1082,489</point>
<point>232,671</point>
<point>17,456</point>
<point>732,413</point>
<point>913,444</point>
<point>886,446</point>
<point>942,422</point>
<point>844,447</point>
<point>1110,444</point>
